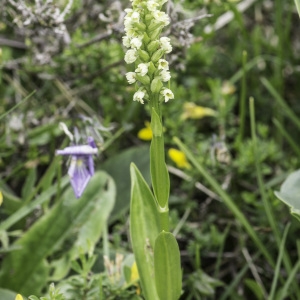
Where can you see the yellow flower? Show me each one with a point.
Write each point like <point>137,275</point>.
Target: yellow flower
<point>134,277</point>
<point>179,158</point>
<point>19,297</point>
<point>145,133</point>
<point>134,273</point>
<point>1,198</point>
<point>193,111</point>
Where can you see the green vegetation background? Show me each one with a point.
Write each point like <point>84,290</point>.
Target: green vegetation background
<point>46,235</point>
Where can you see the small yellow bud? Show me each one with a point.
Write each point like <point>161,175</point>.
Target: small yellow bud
<point>179,158</point>
<point>19,297</point>
<point>193,111</point>
<point>1,198</point>
<point>145,133</point>
<point>135,276</point>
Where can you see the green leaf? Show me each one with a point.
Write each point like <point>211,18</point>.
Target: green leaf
<point>297,3</point>
<point>290,190</point>
<point>156,126</point>
<point>28,208</point>
<point>118,167</point>
<point>90,232</point>
<point>255,288</point>
<point>21,270</point>
<point>144,228</point>
<point>290,193</point>
<point>167,267</point>
<point>7,294</point>
<point>159,173</point>
<point>127,273</point>
<point>29,183</point>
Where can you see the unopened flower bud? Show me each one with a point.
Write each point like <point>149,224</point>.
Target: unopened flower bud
<point>146,38</point>
<point>148,18</point>
<point>154,25</point>
<point>144,55</point>
<point>157,55</point>
<point>153,46</point>
<point>156,85</point>
<point>139,26</point>
<point>151,68</point>
<point>155,33</point>
<point>143,79</point>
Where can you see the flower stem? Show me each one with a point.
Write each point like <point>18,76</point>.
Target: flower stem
<point>164,220</point>
<point>159,173</point>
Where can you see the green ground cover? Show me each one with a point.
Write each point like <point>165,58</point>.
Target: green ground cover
<point>234,119</point>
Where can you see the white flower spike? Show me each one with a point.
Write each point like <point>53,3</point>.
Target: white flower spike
<point>165,75</point>
<point>142,69</point>
<point>131,77</point>
<point>139,96</point>
<point>167,94</point>
<point>131,56</point>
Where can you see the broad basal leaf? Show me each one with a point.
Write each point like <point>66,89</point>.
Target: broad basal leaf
<point>144,228</point>
<point>25,270</point>
<point>167,267</point>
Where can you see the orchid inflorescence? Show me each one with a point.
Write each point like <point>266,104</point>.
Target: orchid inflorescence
<point>143,25</point>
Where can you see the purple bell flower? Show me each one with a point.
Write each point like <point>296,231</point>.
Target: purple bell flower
<point>82,165</point>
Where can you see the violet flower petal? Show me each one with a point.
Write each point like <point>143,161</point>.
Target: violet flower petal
<point>82,164</point>
<point>79,174</point>
<point>77,150</point>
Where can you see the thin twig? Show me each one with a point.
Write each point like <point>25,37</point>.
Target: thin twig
<point>96,39</point>
<point>12,43</point>
<point>198,185</point>
<point>182,221</point>
<point>228,16</point>
<point>194,19</point>
<point>254,271</point>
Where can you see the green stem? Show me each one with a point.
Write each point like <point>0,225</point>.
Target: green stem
<point>287,136</point>
<point>164,220</point>
<point>159,172</point>
<point>277,269</point>
<point>242,100</point>
<point>105,241</point>
<point>284,108</point>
